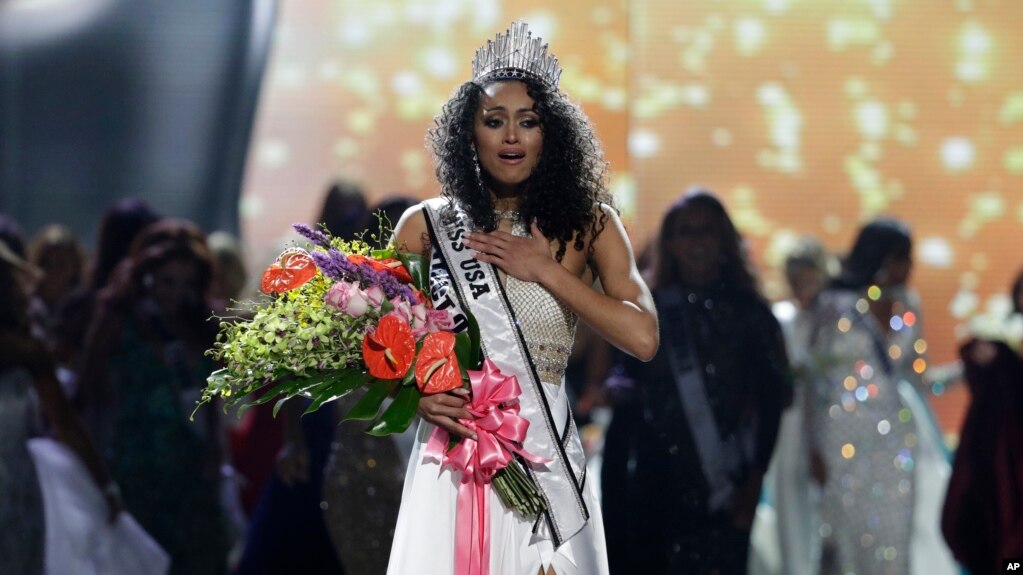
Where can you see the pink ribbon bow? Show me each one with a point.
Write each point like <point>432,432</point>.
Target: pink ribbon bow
<point>500,432</point>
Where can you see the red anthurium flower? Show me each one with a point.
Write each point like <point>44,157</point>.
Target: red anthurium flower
<point>390,349</point>
<point>437,367</point>
<point>389,265</point>
<point>293,268</point>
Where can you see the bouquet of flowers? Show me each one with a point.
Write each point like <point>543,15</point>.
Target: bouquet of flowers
<point>342,318</point>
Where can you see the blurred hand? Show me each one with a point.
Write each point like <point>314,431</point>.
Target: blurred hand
<point>445,409</point>
<point>293,464</point>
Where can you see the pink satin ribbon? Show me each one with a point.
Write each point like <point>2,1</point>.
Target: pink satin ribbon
<point>500,432</point>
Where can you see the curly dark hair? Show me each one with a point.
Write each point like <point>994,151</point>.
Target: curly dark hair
<point>570,177</point>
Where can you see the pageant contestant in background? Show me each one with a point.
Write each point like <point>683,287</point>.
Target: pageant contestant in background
<point>144,363</point>
<point>983,515</point>
<point>874,446</point>
<point>684,459</point>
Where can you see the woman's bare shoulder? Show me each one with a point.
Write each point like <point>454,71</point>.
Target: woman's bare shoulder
<point>411,234</point>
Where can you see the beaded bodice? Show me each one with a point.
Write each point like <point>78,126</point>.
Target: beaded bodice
<point>548,326</point>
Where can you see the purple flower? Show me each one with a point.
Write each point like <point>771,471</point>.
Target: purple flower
<point>316,236</point>
<point>336,265</point>
<point>392,287</point>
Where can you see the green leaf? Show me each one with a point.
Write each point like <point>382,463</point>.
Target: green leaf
<point>416,266</point>
<point>273,390</point>
<point>340,386</point>
<point>463,350</point>
<point>369,405</point>
<point>397,417</point>
<point>296,387</point>
<point>280,403</point>
<point>474,336</point>
<point>381,254</point>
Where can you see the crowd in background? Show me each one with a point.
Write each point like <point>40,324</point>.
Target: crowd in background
<point>803,420</point>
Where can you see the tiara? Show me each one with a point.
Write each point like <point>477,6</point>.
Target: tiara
<point>516,55</point>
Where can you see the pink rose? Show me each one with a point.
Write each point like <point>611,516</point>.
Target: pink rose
<point>420,315</point>
<point>402,309</point>
<point>439,320</point>
<point>414,315</point>
<point>351,300</point>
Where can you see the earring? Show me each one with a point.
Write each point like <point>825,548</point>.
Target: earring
<point>479,174</point>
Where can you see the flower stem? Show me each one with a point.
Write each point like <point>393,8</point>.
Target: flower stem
<point>517,491</point>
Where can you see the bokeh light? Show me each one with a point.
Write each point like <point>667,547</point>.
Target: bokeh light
<point>805,117</point>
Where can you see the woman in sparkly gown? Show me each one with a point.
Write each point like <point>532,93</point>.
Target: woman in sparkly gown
<point>869,432</point>
<point>522,231</point>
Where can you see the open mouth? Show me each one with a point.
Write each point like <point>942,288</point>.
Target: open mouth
<point>512,155</point>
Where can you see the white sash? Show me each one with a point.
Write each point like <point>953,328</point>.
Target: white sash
<point>720,458</point>
<point>479,289</point>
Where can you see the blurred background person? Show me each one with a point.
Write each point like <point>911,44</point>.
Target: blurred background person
<point>873,444</point>
<point>983,515</point>
<point>685,457</point>
<point>56,251</point>
<point>787,522</point>
<point>344,209</point>
<point>12,236</point>
<point>145,363</point>
<point>231,280</point>
<point>120,224</point>
<point>27,378</point>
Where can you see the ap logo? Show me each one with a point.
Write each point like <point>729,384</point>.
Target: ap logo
<point>1013,566</point>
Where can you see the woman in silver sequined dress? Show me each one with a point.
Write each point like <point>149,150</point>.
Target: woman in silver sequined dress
<point>870,433</point>
<point>523,228</point>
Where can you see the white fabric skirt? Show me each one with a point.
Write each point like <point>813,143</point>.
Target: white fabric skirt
<point>424,539</point>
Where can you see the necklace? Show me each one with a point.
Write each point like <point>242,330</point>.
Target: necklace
<point>510,215</point>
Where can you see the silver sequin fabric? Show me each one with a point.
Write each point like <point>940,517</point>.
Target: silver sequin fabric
<point>361,495</point>
<point>548,326</point>
<point>865,434</point>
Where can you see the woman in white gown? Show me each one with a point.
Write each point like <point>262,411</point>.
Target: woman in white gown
<point>520,234</point>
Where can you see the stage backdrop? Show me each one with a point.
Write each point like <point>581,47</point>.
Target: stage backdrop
<point>805,116</point>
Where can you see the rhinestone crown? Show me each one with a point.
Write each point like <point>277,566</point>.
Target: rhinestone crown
<point>516,55</point>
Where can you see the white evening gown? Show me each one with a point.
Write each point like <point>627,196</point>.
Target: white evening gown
<point>424,539</point>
